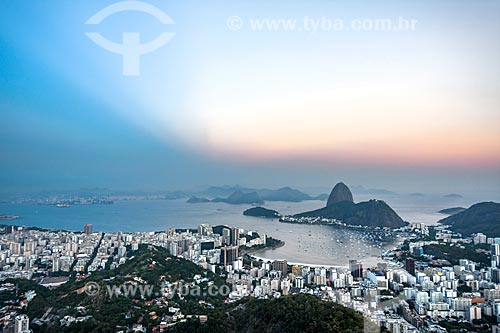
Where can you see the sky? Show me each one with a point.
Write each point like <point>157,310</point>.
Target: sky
<point>227,102</point>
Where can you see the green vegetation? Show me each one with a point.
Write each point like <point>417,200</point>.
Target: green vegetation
<point>454,253</point>
<point>293,313</point>
<point>483,217</point>
<point>261,212</point>
<point>151,264</point>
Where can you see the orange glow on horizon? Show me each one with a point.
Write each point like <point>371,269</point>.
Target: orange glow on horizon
<point>468,152</point>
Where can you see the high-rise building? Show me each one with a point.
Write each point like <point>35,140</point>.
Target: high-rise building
<point>28,246</point>
<point>282,266</point>
<point>22,324</point>
<point>87,228</point>
<point>122,251</point>
<point>183,245</point>
<point>479,238</point>
<point>207,245</point>
<point>495,275</point>
<point>235,236</point>
<point>297,270</point>
<point>410,266</point>
<point>15,248</point>
<point>495,261</point>
<point>299,282</point>
<point>205,229</point>
<point>356,268</point>
<point>359,270</point>
<point>472,313</point>
<point>56,264</point>
<point>10,229</point>
<point>228,254</point>
<point>173,249</point>
<point>352,265</point>
<point>333,274</point>
<point>495,255</point>
<point>226,236</point>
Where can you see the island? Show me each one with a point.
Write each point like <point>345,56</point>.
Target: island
<point>340,206</point>
<point>261,212</point>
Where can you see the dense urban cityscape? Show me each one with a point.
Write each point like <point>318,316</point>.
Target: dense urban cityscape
<point>410,291</point>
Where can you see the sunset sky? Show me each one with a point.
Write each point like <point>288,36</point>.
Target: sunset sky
<point>406,110</point>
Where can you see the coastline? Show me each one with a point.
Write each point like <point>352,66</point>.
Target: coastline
<point>336,224</point>
<point>251,251</point>
<point>299,263</point>
<point>9,217</point>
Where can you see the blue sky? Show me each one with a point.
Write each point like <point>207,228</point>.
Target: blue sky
<point>408,110</point>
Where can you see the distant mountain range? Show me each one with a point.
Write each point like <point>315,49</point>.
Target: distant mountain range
<point>482,217</point>
<point>235,198</point>
<point>284,194</point>
<point>281,194</point>
<point>245,195</point>
<point>341,206</point>
<point>358,189</point>
<point>238,197</point>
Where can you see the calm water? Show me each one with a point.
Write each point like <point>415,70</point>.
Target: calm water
<point>304,244</point>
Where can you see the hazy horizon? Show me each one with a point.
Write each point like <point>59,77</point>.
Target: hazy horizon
<point>358,190</point>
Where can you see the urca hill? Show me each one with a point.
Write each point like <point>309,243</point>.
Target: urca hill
<point>341,206</point>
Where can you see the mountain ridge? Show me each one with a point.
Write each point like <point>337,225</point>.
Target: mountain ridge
<point>483,217</point>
